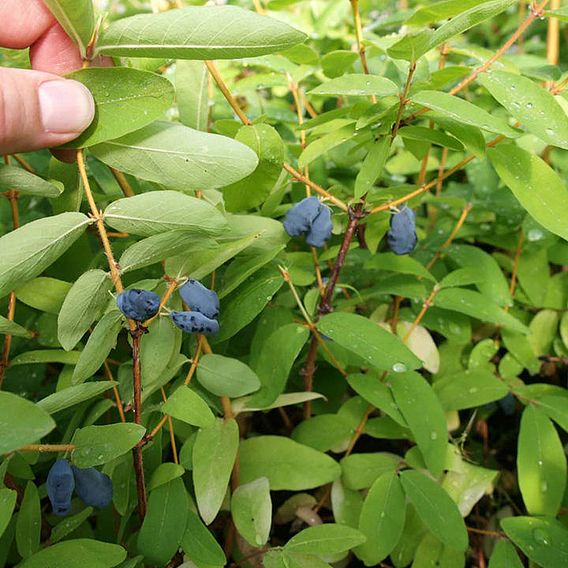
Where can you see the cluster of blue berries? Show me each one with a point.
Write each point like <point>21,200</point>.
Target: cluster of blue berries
<point>138,305</point>
<point>402,232</point>
<point>204,306</point>
<point>312,218</point>
<point>93,487</point>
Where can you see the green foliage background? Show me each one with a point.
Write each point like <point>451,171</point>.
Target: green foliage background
<point>357,407</point>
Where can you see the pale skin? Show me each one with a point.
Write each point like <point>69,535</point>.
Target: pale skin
<point>39,109</point>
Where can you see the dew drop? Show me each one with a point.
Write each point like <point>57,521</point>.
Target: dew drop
<point>535,235</point>
<point>473,390</point>
<point>529,105</point>
<point>433,436</point>
<point>399,368</point>
<point>543,487</point>
<point>541,536</point>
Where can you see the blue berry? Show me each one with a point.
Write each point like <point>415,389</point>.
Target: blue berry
<point>402,233</point>
<point>60,485</point>
<point>309,217</point>
<point>200,299</point>
<point>93,487</point>
<point>195,322</point>
<point>138,305</point>
<point>508,404</point>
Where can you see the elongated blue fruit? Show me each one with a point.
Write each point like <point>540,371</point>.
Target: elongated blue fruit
<point>200,299</point>
<point>138,305</point>
<point>194,322</point>
<point>60,485</point>
<point>312,218</point>
<point>93,487</point>
<point>402,233</point>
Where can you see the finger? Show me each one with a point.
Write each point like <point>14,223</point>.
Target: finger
<point>55,52</point>
<point>23,22</point>
<point>40,110</point>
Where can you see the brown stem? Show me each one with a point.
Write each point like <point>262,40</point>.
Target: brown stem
<point>308,372</point>
<point>23,163</point>
<point>123,183</point>
<point>117,399</point>
<point>47,448</point>
<point>403,99</point>
<point>137,409</point>
<point>359,37</point>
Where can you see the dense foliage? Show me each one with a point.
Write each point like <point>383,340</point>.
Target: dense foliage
<point>381,379</point>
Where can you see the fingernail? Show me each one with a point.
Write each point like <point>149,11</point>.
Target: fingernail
<point>65,106</point>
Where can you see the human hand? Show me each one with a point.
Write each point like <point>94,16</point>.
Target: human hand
<point>39,109</point>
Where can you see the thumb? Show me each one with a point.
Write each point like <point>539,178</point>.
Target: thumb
<point>41,110</point>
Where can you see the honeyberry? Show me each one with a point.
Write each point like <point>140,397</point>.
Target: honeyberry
<point>138,305</point>
<point>402,233</point>
<point>60,485</point>
<point>200,299</point>
<point>195,322</point>
<point>312,218</point>
<point>93,487</point>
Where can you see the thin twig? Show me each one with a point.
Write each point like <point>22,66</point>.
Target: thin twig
<point>47,448</point>
<point>171,428</point>
<point>117,399</point>
<point>359,37</point>
<point>123,183</point>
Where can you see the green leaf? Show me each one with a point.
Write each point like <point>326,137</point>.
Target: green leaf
<point>46,356</point>
<point>28,522</point>
<point>376,392</point>
<point>543,540</point>
<point>158,247</point>
<point>504,555</point>
<point>411,47</point>
<point>199,544</point>
<point>247,301</point>
<point>539,189</point>
<point>541,463</point>
<point>424,415</point>
<point>360,471</point>
<point>382,519</point>
<point>165,473</point>
<point>466,20</point>
<point>372,166</point>
<point>375,345</point>
<point>251,191</point>
<point>73,395</point>
<point>437,511</point>
<point>77,18</point>
<point>195,33</point>
<point>100,343</point>
<point>44,294</point>
<point>492,283</point>
<point>251,510</point>
<point>213,458</point>
<point>29,250</point>
<point>164,524</point>
<point>275,362</point>
<point>336,63</point>
<point>83,305</point>
<point>323,432</point>
<point>438,11</point>
<point>399,264</point>
<point>26,183</point>
<point>463,111</point>
<point>287,464</point>
<point>532,105</point>
<point>157,349</point>
<point>357,84</point>
<point>7,505</point>
<point>8,327</point>
<point>97,445</point>
<point>191,80</point>
<point>158,211</point>
<point>477,306</point>
<point>325,540</point>
<point>93,554</point>
<point>556,408</point>
<point>469,389</point>
<point>125,100</point>
<point>436,137</point>
<point>23,422</point>
<point>326,143</point>
<point>225,376</point>
<point>178,157</point>
<point>70,524</point>
<point>186,405</point>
